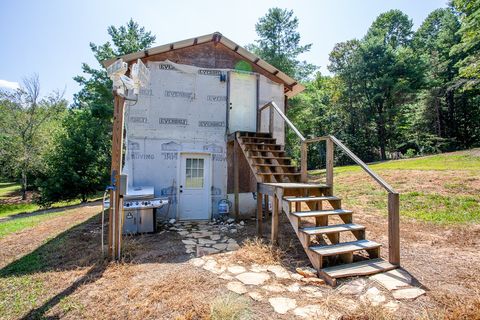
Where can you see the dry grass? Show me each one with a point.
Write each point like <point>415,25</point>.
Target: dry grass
<point>231,307</point>
<point>366,311</point>
<point>455,307</point>
<point>181,293</point>
<point>258,251</point>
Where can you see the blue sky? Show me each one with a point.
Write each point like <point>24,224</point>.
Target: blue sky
<point>52,38</point>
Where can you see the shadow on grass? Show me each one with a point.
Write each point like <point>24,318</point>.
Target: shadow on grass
<point>76,247</point>
<point>95,273</point>
<point>68,250</point>
<point>79,247</point>
<point>52,210</point>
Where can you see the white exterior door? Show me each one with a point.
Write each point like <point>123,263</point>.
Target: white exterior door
<point>243,102</point>
<point>194,189</point>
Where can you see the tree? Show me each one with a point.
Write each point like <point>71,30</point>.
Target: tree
<point>28,122</point>
<point>79,165</point>
<point>434,39</point>
<point>469,46</point>
<point>76,167</point>
<point>381,73</point>
<point>279,43</point>
<point>96,91</point>
<point>392,28</point>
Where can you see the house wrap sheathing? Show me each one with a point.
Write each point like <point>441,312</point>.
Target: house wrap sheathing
<point>184,110</point>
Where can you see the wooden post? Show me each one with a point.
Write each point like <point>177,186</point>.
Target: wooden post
<point>303,161</point>
<point>274,236</point>
<point>236,177</point>
<point>259,214</point>
<point>259,120</point>
<point>270,120</point>
<point>329,163</point>
<point>116,167</point>
<point>394,228</point>
<point>267,209</point>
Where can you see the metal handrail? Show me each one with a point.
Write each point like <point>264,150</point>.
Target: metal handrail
<point>280,112</point>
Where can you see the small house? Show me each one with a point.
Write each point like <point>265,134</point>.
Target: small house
<point>200,91</point>
<point>209,127</point>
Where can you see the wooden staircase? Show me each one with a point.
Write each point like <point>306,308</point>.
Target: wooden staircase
<point>336,246</point>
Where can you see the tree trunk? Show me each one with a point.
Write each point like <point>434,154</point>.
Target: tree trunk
<point>24,185</point>
<point>449,97</point>
<point>439,122</point>
<point>381,131</point>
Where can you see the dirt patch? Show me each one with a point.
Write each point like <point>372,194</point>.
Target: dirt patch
<point>18,244</point>
<point>155,279</point>
<point>15,197</point>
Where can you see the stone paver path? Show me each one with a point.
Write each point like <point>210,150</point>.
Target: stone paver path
<point>299,294</point>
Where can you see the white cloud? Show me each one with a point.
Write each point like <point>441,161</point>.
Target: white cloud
<point>9,84</point>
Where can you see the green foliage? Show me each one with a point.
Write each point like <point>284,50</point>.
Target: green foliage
<point>393,91</point>
<point>410,153</point>
<point>96,91</point>
<point>279,43</point>
<point>26,128</point>
<point>468,47</point>
<point>79,165</point>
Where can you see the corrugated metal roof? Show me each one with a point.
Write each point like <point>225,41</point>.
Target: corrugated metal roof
<point>217,36</point>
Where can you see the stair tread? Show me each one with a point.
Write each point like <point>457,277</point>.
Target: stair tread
<point>259,138</point>
<point>294,185</point>
<point>304,199</point>
<point>266,157</point>
<point>332,228</point>
<point>265,150</point>
<point>262,144</point>
<point>253,134</point>
<point>274,165</point>
<point>278,173</point>
<point>361,268</point>
<point>345,247</point>
<point>318,213</point>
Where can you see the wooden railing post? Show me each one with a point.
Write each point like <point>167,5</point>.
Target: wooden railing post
<point>275,208</point>
<point>303,161</point>
<point>329,163</point>
<point>236,177</point>
<point>259,214</point>
<point>394,228</point>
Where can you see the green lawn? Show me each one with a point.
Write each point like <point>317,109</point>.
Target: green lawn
<point>7,210</point>
<point>441,162</point>
<point>19,224</point>
<point>8,189</point>
<point>447,198</point>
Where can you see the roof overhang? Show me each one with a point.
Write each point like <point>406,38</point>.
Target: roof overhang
<point>293,86</point>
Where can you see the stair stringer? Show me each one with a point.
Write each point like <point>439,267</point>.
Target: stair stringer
<point>314,258</point>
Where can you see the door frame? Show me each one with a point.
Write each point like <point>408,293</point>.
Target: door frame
<point>257,87</point>
<point>208,179</point>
